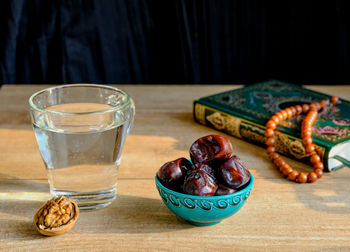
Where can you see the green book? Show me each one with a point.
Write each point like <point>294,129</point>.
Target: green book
<point>244,112</point>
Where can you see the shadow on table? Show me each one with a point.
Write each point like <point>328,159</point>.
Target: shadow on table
<point>329,194</point>
<point>20,199</point>
<point>128,214</point>
<point>132,214</point>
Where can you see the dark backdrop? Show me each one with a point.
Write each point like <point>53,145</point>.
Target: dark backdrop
<point>174,41</point>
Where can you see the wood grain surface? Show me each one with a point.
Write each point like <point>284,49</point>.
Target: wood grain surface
<point>279,215</point>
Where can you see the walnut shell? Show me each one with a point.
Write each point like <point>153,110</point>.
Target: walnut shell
<point>57,216</point>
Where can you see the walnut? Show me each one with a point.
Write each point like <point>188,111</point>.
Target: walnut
<point>57,216</point>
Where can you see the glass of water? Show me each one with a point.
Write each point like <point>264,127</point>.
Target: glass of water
<point>80,130</point>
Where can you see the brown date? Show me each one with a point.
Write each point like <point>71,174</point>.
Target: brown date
<point>198,182</point>
<point>207,169</point>
<point>233,174</point>
<point>210,149</point>
<point>224,190</point>
<point>173,173</point>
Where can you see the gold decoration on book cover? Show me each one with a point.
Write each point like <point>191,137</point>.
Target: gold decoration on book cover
<point>200,113</point>
<point>227,123</point>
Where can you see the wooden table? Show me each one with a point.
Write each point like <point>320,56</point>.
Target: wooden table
<point>279,215</point>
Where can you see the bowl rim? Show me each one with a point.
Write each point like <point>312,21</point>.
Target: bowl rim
<point>244,190</point>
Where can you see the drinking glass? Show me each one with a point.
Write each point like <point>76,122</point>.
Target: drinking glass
<point>80,130</point>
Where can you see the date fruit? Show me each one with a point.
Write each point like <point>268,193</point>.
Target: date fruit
<point>213,171</point>
<point>233,174</point>
<point>207,169</point>
<point>224,190</point>
<point>173,173</point>
<point>210,149</point>
<point>198,182</point>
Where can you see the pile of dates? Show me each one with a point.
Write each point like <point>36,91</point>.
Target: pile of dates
<point>213,171</point>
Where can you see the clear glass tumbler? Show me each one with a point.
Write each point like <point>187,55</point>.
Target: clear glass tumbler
<point>80,130</point>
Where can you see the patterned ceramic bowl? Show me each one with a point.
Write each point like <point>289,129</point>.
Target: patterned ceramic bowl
<point>204,210</point>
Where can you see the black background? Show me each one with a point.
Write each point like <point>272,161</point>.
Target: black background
<point>173,41</point>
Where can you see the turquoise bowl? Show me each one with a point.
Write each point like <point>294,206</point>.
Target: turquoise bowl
<point>204,210</point>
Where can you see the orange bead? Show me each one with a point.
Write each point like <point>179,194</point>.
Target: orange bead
<point>312,153</point>
<point>306,124</point>
<point>323,103</point>
<point>270,149</point>
<point>319,173</point>
<point>301,178</point>
<point>314,158</point>
<point>334,100</point>
<point>286,171</point>
<point>307,133</point>
<point>299,109</point>
<point>284,166</point>
<point>313,107</point>
<point>275,119</point>
<point>318,165</point>
<point>313,114</point>
<point>305,108</point>
<point>294,110</point>
<point>307,118</point>
<point>273,155</point>
<point>312,177</point>
<point>307,140</point>
<point>271,124</point>
<point>276,161</point>
<point>280,168</point>
<point>279,162</point>
<point>270,141</point>
<point>309,148</point>
<point>289,112</point>
<point>280,116</point>
<point>312,120</point>
<point>285,114</point>
<point>269,132</point>
<point>293,175</point>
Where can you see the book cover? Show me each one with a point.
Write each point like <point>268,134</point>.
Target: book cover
<point>244,112</point>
